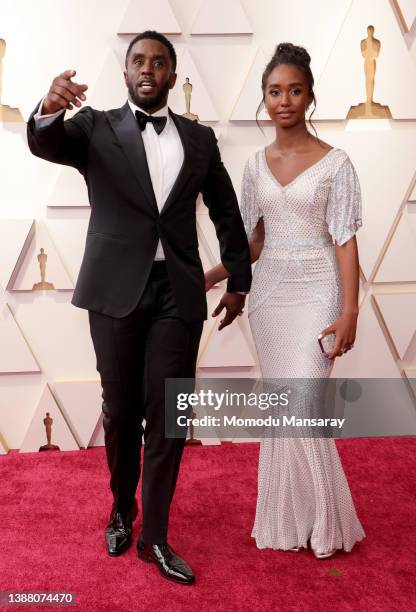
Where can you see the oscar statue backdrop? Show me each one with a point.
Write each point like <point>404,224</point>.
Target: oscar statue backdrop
<point>364,63</point>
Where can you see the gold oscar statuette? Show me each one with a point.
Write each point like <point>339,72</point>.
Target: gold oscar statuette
<point>42,258</point>
<point>48,421</point>
<point>370,50</point>
<point>187,89</point>
<point>7,113</point>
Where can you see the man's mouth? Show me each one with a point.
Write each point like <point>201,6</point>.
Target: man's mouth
<point>146,86</point>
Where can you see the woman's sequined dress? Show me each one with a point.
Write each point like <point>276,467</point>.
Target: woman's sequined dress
<point>296,292</point>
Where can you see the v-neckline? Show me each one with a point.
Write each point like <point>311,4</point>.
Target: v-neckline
<point>298,175</point>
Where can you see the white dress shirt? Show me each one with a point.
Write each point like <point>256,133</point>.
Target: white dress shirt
<point>165,157</point>
<point>164,154</point>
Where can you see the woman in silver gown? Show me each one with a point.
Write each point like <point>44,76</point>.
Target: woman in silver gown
<point>301,208</point>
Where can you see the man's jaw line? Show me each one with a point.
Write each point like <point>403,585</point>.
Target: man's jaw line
<point>150,105</point>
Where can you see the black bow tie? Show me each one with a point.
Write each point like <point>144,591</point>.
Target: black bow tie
<point>158,122</point>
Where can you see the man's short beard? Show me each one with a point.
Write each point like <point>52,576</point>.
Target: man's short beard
<point>147,102</point>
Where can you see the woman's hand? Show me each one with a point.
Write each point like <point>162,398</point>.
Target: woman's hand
<point>344,328</point>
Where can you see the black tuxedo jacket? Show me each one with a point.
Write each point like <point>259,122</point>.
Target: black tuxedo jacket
<point>125,223</point>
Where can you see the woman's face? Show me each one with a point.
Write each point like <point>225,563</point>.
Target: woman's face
<point>286,95</point>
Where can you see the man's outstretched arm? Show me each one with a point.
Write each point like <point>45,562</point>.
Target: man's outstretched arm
<point>49,137</point>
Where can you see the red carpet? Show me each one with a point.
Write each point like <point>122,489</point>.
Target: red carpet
<point>54,508</point>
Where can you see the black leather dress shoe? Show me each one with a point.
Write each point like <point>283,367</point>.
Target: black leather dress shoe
<point>170,565</point>
<point>119,530</point>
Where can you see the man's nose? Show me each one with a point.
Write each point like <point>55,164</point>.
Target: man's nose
<point>147,68</point>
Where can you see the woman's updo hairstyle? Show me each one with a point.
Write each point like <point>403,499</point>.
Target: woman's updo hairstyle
<point>287,53</point>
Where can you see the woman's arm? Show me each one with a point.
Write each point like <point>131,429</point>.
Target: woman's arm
<point>219,273</point>
<point>347,256</point>
<point>346,325</point>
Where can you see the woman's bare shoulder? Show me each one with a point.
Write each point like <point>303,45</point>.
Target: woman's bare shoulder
<point>321,145</point>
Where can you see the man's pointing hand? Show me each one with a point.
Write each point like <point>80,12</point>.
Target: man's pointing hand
<point>63,93</point>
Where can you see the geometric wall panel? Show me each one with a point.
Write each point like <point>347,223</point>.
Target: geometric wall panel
<point>70,235</point>
<point>235,158</point>
<point>218,132</point>
<point>97,438</point>
<point>109,90</point>
<point>69,190</point>
<point>205,254</point>
<point>201,103</point>
<point>250,95</point>
<point>15,236</point>
<point>406,10</point>
<point>30,273</point>
<point>15,354</point>
<point>142,15</point>
<point>80,402</point>
<point>361,293</point>
<point>223,85</point>
<point>227,347</point>
<point>213,297</point>
<point>201,209</point>
<point>394,65</point>
<point>398,264</point>
<point>58,334</point>
<point>219,17</point>
<point>208,230</point>
<point>399,314</point>
<point>370,341</point>
<point>19,396</point>
<point>36,434</point>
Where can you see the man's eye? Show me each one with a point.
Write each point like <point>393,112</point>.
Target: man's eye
<point>158,64</point>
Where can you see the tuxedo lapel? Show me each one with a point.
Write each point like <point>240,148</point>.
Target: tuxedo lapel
<point>130,138</point>
<point>188,137</point>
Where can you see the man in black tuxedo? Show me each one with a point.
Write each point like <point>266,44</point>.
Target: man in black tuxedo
<point>141,277</point>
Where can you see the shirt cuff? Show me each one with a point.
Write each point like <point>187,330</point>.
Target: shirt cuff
<point>45,120</point>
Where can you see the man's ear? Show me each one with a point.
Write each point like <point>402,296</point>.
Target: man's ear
<point>125,76</point>
<point>172,80</point>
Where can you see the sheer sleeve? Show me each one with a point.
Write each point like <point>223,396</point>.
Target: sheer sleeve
<point>250,211</point>
<point>343,214</point>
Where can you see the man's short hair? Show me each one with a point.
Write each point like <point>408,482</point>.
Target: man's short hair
<point>153,35</point>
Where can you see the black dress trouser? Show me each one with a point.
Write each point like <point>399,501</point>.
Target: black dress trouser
<point>134,356</point>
